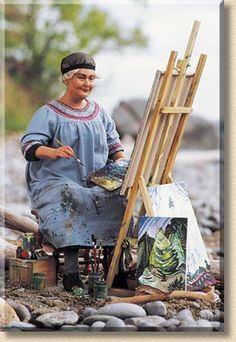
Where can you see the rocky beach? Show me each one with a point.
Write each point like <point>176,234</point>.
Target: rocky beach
<point>53,308</point>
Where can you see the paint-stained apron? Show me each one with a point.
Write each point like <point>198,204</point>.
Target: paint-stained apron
<point>69,214</point>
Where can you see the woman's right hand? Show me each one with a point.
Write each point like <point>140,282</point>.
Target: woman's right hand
<point>44,152</point>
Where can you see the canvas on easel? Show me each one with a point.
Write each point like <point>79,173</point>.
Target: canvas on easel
<point>160,135</point>
<point>151,174</point>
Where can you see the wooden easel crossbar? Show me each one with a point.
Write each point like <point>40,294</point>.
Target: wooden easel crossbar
<point>160,135</point>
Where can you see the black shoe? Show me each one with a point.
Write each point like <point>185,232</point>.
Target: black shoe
<point>72,279</point>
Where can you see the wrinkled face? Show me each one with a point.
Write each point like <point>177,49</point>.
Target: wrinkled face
<point>81,83</point>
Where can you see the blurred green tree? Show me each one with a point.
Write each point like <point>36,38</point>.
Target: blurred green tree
<point>37,36</point>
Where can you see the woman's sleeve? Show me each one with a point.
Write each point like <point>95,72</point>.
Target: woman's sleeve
<point>40,131</point>
<point>113,139</point>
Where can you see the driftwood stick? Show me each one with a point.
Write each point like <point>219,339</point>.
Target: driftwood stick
<point>140,299</point>
<point>166,296</point>
<point>121,292</point>
<point>192,294</point>
<point>17,222</point>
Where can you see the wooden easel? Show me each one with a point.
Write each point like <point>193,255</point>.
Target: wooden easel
<point>160,135</point>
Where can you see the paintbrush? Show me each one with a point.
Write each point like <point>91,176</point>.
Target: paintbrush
<point>95,256</point>
<point>99,255</point>
<point>94,251</point>
<point>90,258</point>
<point>73,155</point>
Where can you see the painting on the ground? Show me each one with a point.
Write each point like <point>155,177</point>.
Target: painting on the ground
<point>172,200</point>
<point>162,252</point>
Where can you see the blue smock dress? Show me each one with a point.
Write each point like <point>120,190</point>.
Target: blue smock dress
<point>70,208</point>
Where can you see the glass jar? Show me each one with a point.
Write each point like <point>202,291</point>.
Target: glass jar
<point>91,279</point>
<point>100,289</point>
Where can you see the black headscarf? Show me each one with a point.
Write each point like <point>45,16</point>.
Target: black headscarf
<point>77,60</point>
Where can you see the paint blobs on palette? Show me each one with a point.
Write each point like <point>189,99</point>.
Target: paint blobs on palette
<point>111,176</point>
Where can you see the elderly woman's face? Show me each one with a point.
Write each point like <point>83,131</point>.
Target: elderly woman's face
<point>81,83</point>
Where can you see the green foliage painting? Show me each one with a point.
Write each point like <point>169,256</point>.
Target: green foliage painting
<point>37,36</point>
<point>162,252</point>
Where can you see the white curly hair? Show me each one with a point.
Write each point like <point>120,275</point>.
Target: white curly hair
<point>68,75</point>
